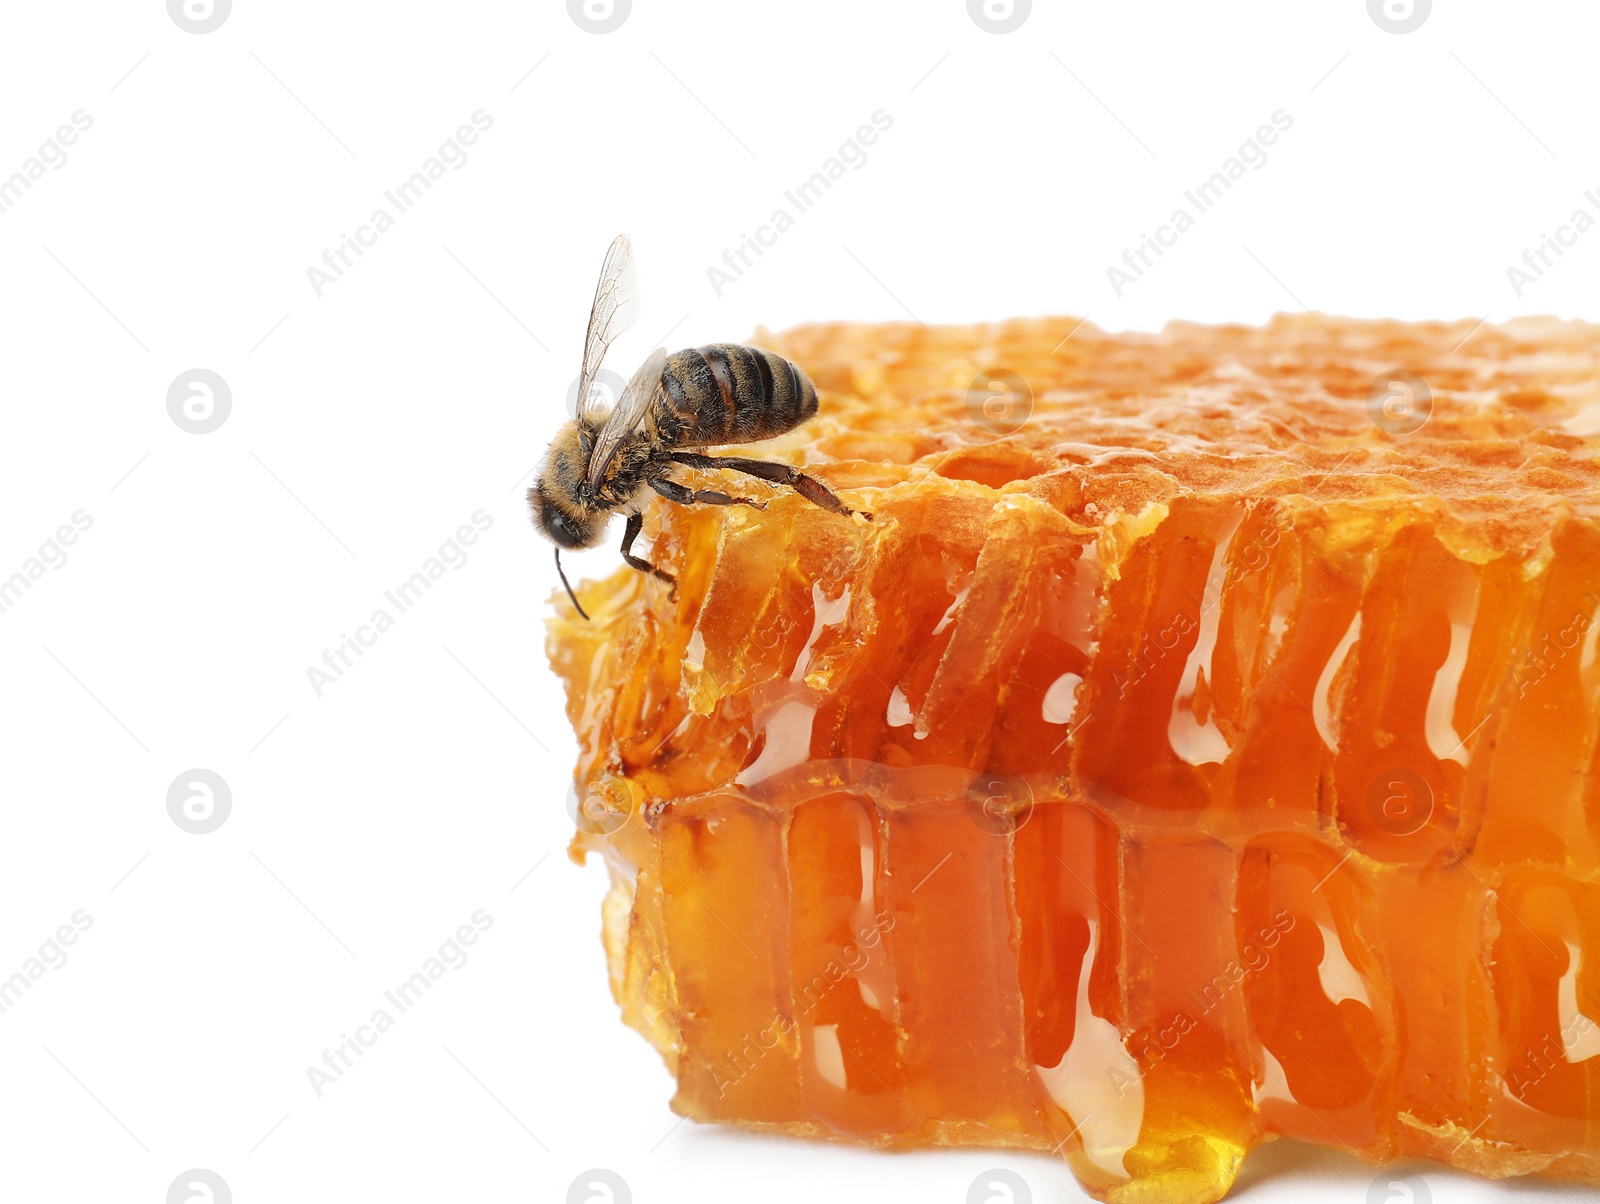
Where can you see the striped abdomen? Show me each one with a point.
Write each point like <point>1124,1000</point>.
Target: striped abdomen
<point>729,393</point>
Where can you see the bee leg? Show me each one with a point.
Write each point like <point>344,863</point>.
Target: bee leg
<point>631,533</point>
<point>685,496</point>
<point>809,488</point>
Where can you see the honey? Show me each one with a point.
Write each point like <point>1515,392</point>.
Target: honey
<point>1197,747</point>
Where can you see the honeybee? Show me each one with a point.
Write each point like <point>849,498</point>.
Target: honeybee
<point>702,397</point>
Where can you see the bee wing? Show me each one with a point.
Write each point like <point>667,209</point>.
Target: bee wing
<point>615,309</point>
<point>629,412</point>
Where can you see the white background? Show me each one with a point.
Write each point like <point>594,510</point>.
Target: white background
<point>370,422</point>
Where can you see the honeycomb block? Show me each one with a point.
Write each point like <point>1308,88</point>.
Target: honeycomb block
<point>1196,747</point>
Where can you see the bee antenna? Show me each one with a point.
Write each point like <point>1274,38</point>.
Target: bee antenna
<point>562,574</point>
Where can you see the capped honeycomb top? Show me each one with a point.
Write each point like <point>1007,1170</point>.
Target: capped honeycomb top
<point>1496,425</point>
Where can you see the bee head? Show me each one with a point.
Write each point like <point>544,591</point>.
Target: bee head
<point>560,502</point>
<point>570,525</point>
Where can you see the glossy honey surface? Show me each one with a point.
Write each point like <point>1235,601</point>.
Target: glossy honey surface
<point>1195,748</point>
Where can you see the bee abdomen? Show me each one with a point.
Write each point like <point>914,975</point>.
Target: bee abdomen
<point>730,393</point>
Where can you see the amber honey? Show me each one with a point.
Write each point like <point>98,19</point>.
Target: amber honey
<point>1193,750</point>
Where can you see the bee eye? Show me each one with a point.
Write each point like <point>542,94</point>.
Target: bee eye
<point>562,529</point>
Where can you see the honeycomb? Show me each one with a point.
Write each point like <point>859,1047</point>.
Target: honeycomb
<point>1198,747</point>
